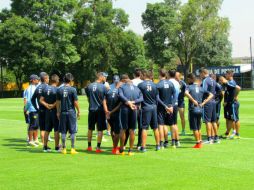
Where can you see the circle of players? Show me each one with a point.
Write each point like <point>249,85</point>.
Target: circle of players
<point>126,104</point>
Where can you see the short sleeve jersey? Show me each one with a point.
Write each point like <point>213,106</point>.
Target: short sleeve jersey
<point>166,91</point>
<point>150,92</point>
<point>112,98</point>
<point>67,95</point>
<point>182,91</point>
<point>197,94</point>
<point>49,94</point>
<point>209,85</point>
<point>230,90</point>
<point>96,93</point>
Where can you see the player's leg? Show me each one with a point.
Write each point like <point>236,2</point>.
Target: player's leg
<point>56,130</point>
<point>116,132</point>
<point>145,121</point>
<point>131,141</point>
<point>132,125</point>
<point>177,138</point>
<point>72,122</point>
<point>154,126</point>
<point>35,127</point>
<point>124,127</point>
<point>181,113</point>
<point>122,140</point>
<point>236,123</point>
<point>42,119</point>
<point>48,128</point>
<point>63,130</point>
<point>102,125</point>
<point>165,131</point>
<point>91,127</point>
<point>30,130</point>
<point>140,130</point>
<point>207,115</point>
<point>214,130</point>
<point>161,123</point>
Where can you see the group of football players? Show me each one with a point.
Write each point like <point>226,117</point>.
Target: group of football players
<point>129,107</point>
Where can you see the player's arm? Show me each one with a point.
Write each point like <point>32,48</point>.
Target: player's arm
<point>140,98</point>
<point>116,108</point>
<point>187,94</point>
<point>33,100</point>
<point>76,104</point>
<point>58,108</point>
<point>87,93</point>
<point>42,101</point>
<point>237,91</point>
<point>105,107</point>
<point>207,100</point>
<point>58,104</point>
<point>124,99</point>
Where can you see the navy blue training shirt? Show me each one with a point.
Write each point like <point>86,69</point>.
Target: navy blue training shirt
<point>37,95</point>
<point>129,92</point>
<point>182,91</point>
<point>218,95</point>
<point>166,91</point>
<point>67,95</point>
<point>209,85</point>
<point>150,94</point>
<point>197,94</point>
<point>230,90</point>
<point>96,93</point>
<point>112,98</point>
<point>49,94</point>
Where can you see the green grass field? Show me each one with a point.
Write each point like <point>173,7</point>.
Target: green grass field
<point>229,165</point>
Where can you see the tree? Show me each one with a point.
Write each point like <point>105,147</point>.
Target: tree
<point>190,30</point>
<point>215,52</point>
<point>161,21</point>
<point>21,43</point>
<point>54,18</point>
<point>199,20</point>
<point>101,41</point>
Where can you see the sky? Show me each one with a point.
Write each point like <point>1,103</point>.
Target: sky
<point>240,14</point>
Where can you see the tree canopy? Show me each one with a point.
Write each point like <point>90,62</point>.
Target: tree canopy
<point>87,36</point>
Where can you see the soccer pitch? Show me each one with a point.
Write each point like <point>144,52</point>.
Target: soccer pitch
<point>229,165</point>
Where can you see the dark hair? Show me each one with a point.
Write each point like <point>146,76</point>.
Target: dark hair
<point>54,78</point>
<point>43,75</point>
<point>148,74</point>
<point>163,73</point>
<point>230,71</point>
<point>68,77</point>
<point>191,76</point>
<point>137,73</point>
<point>124,77</point>
<point>172,73</point>
<point>203,70</point>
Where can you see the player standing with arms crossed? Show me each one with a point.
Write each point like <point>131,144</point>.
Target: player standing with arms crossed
<point>231,104</point>
<point>36,100</point>
<point>96,94</point>
<point>131,97</point>
<point>209,116</point>
<point>149,109</point>
<point>166,102</point>
<point>48,99</point>
<point>66,102</point>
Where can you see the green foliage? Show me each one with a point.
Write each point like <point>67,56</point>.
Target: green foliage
<point>193,32</point>
<point>102,42</point>
<point>21,44</point>
<point>162,22</point>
